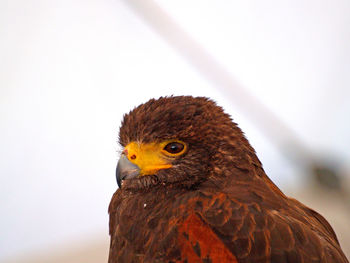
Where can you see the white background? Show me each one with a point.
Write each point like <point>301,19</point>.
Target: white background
<point>70,69</point>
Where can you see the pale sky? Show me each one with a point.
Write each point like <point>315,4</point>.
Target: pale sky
<point>70,69</point>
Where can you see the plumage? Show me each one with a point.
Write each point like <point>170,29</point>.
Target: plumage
<point>208,202</point>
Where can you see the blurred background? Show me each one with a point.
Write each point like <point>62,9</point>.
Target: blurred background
<point>69,70</point>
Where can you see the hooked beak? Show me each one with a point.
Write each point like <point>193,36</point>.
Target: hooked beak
<point>126,170</point>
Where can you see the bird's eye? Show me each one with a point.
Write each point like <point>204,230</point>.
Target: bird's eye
<point>174,148</point>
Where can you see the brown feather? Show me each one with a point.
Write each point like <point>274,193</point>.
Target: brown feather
<point>215,204</point>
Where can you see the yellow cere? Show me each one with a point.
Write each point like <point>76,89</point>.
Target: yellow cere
<point>150,157</point>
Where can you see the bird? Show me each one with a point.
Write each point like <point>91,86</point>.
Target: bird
<point>192,189</point>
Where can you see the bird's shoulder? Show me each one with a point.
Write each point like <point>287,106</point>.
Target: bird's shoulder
<point>249,227</point>
<point>212,225</point>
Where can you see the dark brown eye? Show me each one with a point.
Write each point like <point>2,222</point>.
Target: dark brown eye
<point>174,147</point>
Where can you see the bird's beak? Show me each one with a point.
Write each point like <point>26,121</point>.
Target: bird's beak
<point>126,170</point>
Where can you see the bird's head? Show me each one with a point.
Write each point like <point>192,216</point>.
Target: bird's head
<point>178,140</point>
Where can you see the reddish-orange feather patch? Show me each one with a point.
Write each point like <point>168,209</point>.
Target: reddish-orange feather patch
<point>192,231</point>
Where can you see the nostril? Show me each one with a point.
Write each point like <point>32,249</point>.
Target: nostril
<point>133,157</point>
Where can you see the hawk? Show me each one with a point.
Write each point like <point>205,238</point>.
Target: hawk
<point>192,189</point>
